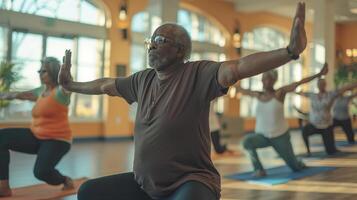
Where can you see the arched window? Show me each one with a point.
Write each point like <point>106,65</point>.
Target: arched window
<point>3,40</point>
<point>51,27</point>
<point>208,39</point>
<point>84,11</point>
<point>265,39</point>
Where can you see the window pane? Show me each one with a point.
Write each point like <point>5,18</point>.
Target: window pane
<point>194,29</point>
<point>4,4</point>
<point>90,59</point>
<point>56,47</point>
<point>72,10</point>
<point>140,22</point>
<point>90,64</point>
<point>137,51</point>
<point>27,53</point>
<point>90,14</point>
<point>3,41</point>
<point>184,19</point>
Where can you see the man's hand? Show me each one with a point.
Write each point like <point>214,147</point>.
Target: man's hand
<point>298,39</point>
<point>64,76</point>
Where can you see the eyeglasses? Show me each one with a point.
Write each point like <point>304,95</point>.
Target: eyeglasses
<point>41,71</point>
<point>158,40</point>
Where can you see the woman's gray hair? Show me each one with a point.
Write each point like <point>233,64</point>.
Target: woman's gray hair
<point>273,74</point>
<point>52,66</point>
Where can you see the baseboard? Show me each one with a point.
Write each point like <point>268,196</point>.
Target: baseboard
<point>103,139</point>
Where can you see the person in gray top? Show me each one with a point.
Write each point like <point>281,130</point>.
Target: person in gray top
<point>320,119</point>
<point>171,134</point>
<point>341,116</point>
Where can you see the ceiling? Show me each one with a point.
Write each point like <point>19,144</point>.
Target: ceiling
<point>287,8</point>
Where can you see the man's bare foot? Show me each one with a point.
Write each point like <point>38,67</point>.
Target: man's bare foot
<point>259,173</point>
<point>5,190</point>
<point>68,184</point>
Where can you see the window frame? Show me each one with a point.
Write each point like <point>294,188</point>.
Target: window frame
<point>13,22</point>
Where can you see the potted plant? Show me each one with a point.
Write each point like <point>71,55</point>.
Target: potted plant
<point>8,76</point>
<point>346,73</point>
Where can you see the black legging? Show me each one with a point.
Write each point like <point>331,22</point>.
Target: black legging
<point>327,137</point>
<point>49,153</point>
<point>124,187</point>
<point>347,128</point>
<point>216,140</point>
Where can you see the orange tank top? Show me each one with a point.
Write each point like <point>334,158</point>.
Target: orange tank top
<point>50,119</point>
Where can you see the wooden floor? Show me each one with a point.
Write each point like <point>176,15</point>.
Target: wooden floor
<point>95,159</point>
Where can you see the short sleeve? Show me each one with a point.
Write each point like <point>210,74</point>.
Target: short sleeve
<point>61,97</point>
<point>38,91</point>
<point>127,87</point>
<point>208,80</point>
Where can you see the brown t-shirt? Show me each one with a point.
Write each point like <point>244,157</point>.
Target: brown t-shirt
<point>171,135</point>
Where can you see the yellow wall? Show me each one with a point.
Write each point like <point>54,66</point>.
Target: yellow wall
<point>249,123</point>
<point>346,38</point>
<point>79,129</point>
<point>116,121</point>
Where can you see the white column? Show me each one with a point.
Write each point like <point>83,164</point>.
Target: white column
<point>162,11</point>
<point>324,38</point>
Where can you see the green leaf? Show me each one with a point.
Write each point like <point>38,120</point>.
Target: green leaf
<point>8,76</point>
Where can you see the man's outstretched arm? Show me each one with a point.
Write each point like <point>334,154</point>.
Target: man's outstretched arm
<point>96,87</point>
<point>232,71</point>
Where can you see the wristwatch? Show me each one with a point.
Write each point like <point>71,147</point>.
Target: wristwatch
<point>291,54</point>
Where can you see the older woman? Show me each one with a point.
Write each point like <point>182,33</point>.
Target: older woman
<point>271,127</point>
<point>49,135</point>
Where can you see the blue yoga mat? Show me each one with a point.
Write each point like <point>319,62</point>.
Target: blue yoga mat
<point>323,155</point>
<point>338,143</point>
<point>279,175</point>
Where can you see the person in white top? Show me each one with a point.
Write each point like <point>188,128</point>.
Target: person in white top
<point>271,128</point>
<point>341,116</point>
<point>320,118</point>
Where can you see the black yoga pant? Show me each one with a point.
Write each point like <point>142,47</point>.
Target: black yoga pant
<point>327,137</point>
<point>347,128</point>
<point>49,153</point>
<point>216,140</point>
<point>124,187</point>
